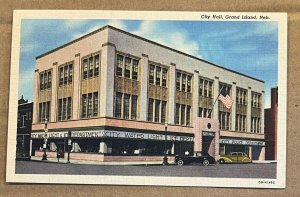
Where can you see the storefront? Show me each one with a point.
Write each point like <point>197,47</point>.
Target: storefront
<point>251,147</point>
<point>114,143</point>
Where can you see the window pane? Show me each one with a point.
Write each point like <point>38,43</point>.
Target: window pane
<point>85,69</point>
<point>188,115</point>
<point>177,113</point>
<point>151,74</point>
<point>127,67</point>
<point>118,104</point>
<point>201,87</point>
<point>133,106</point>
<point>89,111</point>
<point>69,109</point>
<point>135,69</point>
<point>183,82</point>
<point>45,80</point>
<point>158,74</point>
<point>42,81</point>
<point>178,77</point>
<point>150,110</point>
<point>66,74</point>
<point>189,79</point>
<point>182,114</point>
<point>84,105</point>
<point>97,62</point>
<point>49,79</point>
<point>157,106</point>
<point>64,111</point>
<point>70,73</point>
<point>163,111</point>
<point>126,106</point>
<point>164,77</point>
<point>119,65</point>
<point>59,109</point>
<point>61,75</point>
<point>95,104</point>
<point>91,67</point>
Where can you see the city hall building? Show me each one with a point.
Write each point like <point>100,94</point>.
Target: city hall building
<point>115,96</point>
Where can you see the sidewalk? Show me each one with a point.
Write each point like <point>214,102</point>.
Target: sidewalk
<point>64,161</point>
<point>264,161</point>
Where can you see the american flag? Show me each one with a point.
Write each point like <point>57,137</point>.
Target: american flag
<point>225,98</point>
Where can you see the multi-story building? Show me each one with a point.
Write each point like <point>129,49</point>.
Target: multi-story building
<point>24,128</point>
<point>271,126</point>
<point>115,92</point>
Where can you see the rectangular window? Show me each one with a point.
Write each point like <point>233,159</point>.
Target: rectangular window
<point>189,79</point>
<point>164,77</point>
<point>188,115</point>
<point>210,88</point>
<point>69,108</point>
<point>158,75</point>
<point>70,73</point>
<point>127,67</point>
<point>178,79</point>
<point>66,74</point>
<point>135,64</point>
<point>133,107</point>
<point>84,106</point>
<point>205,88</point>
<point>163,111</point>
<point>182,121</point>
<point>151,74</point>
<point>49,79</point>
<point>64,108</point>
<point>91,69</point>
<point>157,106</point>
<point>90,105</point>
<point>183,88</point>
<point>59,110</point>
<point>201,87</point>
<point>44,111</point>
<point>95,104</point>
<point>61,76</point>
<point>97,64</point>
<point>118,104</point>
<point>85,68</point>
<point>47,113</point>
<point>45,80</point>
<point>42,81</point>
<point>119,71</point>
<point>177,113</point>
<point>126,106</point>
<point>150,110</point>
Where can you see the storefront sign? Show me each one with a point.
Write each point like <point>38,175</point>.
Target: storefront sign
<point>112,134</point>
<point>242,142</point>
<point>210,134</point>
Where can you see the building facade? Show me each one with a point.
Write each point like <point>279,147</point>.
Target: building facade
<point>271,126</point>
<point>119,95</point>
<point>24,128</point>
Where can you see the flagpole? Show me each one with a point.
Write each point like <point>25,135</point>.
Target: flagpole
<point>215,102</point>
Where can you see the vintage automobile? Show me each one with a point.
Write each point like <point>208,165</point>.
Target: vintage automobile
<point>204,159</point>
<point>235,157</point>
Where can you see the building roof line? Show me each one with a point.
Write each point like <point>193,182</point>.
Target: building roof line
<point>147,40</point>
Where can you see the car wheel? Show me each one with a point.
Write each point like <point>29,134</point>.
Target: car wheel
<point>205,162</point>
<point>180,162</point>
<point>221,161</point>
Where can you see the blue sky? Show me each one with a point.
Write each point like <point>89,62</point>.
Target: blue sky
<point>250,48</point>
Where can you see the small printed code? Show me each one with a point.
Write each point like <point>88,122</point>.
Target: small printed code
<point>266,182</point>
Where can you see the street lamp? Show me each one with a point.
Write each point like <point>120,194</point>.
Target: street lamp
<point>69,145</point>
<point>165,160</point>
<point>45,140</point>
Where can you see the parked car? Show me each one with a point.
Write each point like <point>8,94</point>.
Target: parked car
<point>204,159</point>
<point>235,157</point>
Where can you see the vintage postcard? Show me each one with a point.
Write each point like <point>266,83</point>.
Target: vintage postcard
<point>148,98</point>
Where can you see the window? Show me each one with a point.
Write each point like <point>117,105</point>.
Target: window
<point>182,121</point>
<point>61,75</point>
<point>126,106</point>
<point>135,64</point>
<point>210,84</point>
<point>97,64</point>
<point>150,110</point>
<point>45,80</point>
<point>158,74</point>
<point>91,67</point>
<point>89,105</point>
<point>200,87</point>
<point>133,107</point>
<point>204,112</point>
<point>241,96</point>
<point>85,68</point>
<point>205,88</point>
<point>178,78</point>
<point>255,125</point>
<point>188,115</point>
<point>224,118</point>
<point>157,106</point>
<point>151,74</point>
<point>95,104</point>
<point>183,82</point>
<point>127,67</point>
<point>44,111</point>
<point>189,79</point>
<point>256,100</point>
<point>119,71</point>
<point>118,105</point>
<point>66,74</point>
<point>64,110</point>
<point>163,111</point>
<point>164,77</point>
<point>177,113</point>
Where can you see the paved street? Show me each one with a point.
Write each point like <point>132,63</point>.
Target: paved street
<point>254,170</point>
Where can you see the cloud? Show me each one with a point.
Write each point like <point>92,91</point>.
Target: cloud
<point>168,35</point>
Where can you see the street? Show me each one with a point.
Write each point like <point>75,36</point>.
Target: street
<point>253,170</point>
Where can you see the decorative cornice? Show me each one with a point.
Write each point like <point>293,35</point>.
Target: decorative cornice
<point>108,44</point>
<point>172,64</point>
<point>216,77</point>
<point>145,55</point>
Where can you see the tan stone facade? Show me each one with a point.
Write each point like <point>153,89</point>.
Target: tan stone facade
<point>111,80</point>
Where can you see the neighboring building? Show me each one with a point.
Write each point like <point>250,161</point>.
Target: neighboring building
<point>271,126</point>
<point>115,91</point>
<point>24,128</point>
